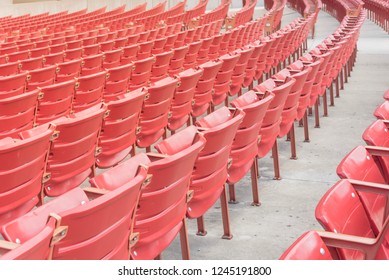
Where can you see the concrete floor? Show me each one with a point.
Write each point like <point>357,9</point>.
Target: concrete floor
<point>288,205</point>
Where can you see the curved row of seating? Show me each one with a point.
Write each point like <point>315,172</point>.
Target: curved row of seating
<point>221,116</point>
<point>378,12</point>
<point>353,212</point>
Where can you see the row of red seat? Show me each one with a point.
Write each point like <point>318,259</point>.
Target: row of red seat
<point>353,212</point>
<point>242,16</point>
<point>213,123</point>
<point>378,12</point>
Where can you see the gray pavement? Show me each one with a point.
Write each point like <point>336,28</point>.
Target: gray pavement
<point>288,205</point>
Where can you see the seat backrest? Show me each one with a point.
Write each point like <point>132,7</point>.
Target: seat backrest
<point>17,113</point>
<point>55,101</point>
<point>341,210</point>
<point>38,247</point>
<point>72,153</point>
<point>183,97</point>
<point>117,81</point>
<point>359,164</point>
<point>41,77</point>
<point>163,203</point>
<point>245,144</point>
<point>377,134</point>
<point>156,111</point>
<point>68,70</point>
<point>210,174</point>
<point>309,246</point>
<point>13,85</point>
<point>382,111</point>
<point>22,165</point>
<point>89,91</point>
<point>119,128</point>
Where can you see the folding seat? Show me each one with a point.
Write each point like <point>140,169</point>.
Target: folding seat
<point>111,201</point>
<point>322,245</point>
<point>112,58</point>
<point>262,59</point>
<point>156,111</point>
<point>245,145</point>
<point>16,56</point>
<point>57,40</point>
<point>13,85</point>
<point>160,67</point>
<point>57,48</point>
<point>202,55</point>
<point>87,41</point>
<point>210,171</point>
<point>39,52</point>
<point>35,247</point>
<point>55,101</point>
<point>141,73</point>
<point>73,151</point>
<point>41,77</point>
<point>382,111</point>
<point>158,46</point>
<point>133,39</point>
<point>9,50</point>
<point>117,81</point>
<point>89,91</point>
<point>9,69</point>
<point>23,161</point>
<point>223,78</point>
<point>17,113</point>
<point>363,164</point>
<point>107,46</point>
<point>239,70</point>
<point>90,50</point>
<point>289,112</point>
<point>180,39</point>
<point>189,37</point>
<point>76,44</point>
<point>342,210</point>
<point>190,60</point>
<point>68,70</point>
<point>144,50</point>
<point>223,45</point>
<point>214,47</point>
<point>120,42</point>
<point>232,43</point>
<point>92,64</point>
<point>101,38</point>
<point>205,87</point>
<point>304,62</point>
<point>71,37</point>
<point>178,60</point>
<point>271,123</point>
<point>3,59</point>
<point>170,41</point>
<point>252,63</point>
<point>41,44</point>
<point>26,46</point>
<point>143,36</point>
<point>73,54</point>
<point>184,98</point>
<point>31,64</point>
<point>119,129</point>
<point>316,89</point>
<point>163,203</point>
<point>129,54</point>
<point>377,134</point>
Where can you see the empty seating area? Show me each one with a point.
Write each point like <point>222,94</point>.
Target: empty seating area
<point>135,133</point>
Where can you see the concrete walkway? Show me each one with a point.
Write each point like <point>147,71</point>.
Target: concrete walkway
<point>288,206</point>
